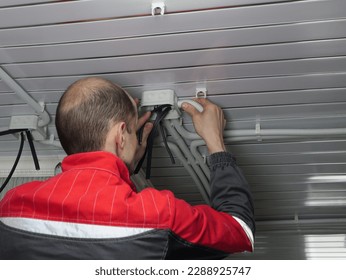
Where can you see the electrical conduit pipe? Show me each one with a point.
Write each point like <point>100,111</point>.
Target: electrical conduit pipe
<point>44,117</point>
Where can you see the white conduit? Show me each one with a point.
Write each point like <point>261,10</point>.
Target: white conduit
<point>189,159</point>
<point>258,133</point>
<point>45,119</point>
<point>177,152</point>
<point>232,136</point>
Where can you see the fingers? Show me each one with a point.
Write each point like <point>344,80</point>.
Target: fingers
<point>143,119</point>
<point>146,132</point>
<point>146,129</point>
<point>190,109</point>
<point>142,143</point>
<point>202,101</point>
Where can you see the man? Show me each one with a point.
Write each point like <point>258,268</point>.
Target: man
<point>92,209</point>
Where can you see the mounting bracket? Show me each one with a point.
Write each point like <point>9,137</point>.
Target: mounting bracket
<point>158,8</point>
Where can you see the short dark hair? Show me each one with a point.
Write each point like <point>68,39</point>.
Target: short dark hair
<point>86,112</point>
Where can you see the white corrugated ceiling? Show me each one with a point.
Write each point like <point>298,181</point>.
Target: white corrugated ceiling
<point>280,64</point>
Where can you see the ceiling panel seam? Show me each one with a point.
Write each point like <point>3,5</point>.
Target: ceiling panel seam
<point>292,32</point>
<point>101,9</point>
<point>185,20</point>
<point>179,60</point>
<point>204,52</point>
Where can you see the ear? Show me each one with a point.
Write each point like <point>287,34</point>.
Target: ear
<point>121,135</point>
<point>115,139</point>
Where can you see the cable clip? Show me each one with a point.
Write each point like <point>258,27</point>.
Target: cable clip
<point>204,159</point>
<point>201,92</point>
<point>43,105</point>
<point>258,131</point>
<point>158,8</point>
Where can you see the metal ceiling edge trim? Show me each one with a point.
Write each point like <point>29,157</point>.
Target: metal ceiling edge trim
<point>26,166</point>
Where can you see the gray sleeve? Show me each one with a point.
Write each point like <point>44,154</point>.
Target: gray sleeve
<point>230,192</point>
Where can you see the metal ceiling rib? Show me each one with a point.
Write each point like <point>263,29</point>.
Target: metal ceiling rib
<point>7,3</point>
<point>253,16</point>
<point>101,9</point>
<point>278,63</point>
<point>309,244</point>
<point>212,73</point>
<point>176,42</point>
<point>177,60</point>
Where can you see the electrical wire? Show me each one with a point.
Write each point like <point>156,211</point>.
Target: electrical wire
<point>165,143</point>
<point>162,112</point>
<point>15,163</point>
<point>32,149</point>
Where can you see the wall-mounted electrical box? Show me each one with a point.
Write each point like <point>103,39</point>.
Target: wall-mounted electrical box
<point>153,98</point>
<point>29,122</point>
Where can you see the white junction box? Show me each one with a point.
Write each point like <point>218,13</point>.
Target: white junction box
<point>29,122</point>
<point>153,98</point>
<point>22,122</point>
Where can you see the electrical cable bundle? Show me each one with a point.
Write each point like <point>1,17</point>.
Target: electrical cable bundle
<point>32,148</point>
<point>161,112</point>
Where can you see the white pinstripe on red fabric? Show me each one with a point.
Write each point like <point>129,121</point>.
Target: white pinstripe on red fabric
<point>86,191</point>
<point>63,201</point>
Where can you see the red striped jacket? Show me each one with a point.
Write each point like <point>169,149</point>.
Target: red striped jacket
<point>93,211</point>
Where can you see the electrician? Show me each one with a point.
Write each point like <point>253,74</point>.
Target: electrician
<point>92,210</point>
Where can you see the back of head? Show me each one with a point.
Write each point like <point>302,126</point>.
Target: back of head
<point>86,112</point>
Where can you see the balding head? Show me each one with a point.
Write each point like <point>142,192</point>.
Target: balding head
<point>81,90</point>
<point>86,112</point>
